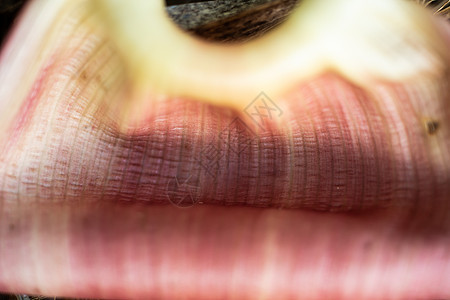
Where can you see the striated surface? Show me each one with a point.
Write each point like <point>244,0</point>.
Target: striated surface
<point>86,211</point>
<point>335,147</point>
<point>329,145</point>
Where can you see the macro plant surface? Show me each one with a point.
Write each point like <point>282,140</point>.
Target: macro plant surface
<point>313,161</point>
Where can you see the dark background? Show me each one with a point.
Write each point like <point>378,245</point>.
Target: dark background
<point>175,2</point>
<point>8,13</point>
